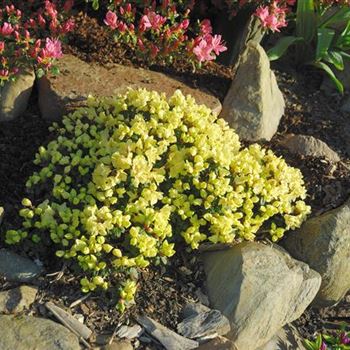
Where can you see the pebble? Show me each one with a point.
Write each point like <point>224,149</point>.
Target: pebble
<point>16,268</point>
<point>129,332</point>
<point>17,299</point>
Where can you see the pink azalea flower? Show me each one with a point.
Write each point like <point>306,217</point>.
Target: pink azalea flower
<point>203,51</point>
<point>145,23</point>
<point>111,20</point>
<point>217,44</point>
<point>206,27</point>
<point>6,29</point>
<point>53,48</point>
<point>2,46</point>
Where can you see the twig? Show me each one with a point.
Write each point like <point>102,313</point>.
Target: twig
<point>78,301</point>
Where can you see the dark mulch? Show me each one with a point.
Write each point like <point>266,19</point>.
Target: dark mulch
<point>164,290</point>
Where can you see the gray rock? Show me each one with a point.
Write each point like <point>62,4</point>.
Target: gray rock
<point>169,339</point>
<point>1,214</point>
<point>31,333</point>
<point>16,268</point>
<point>18,299</point>
<point>193,309</point>
<point>119,345</point>
<point>129,332</point>
<point>63,93</point>
<point>260,289</point>
<point>323,242</point>
<point>254,104</point>
<point>202,323</point>
<point>219,343</point>
<point>288,338</point>
<point>309,146</point>
<point>14,96</point>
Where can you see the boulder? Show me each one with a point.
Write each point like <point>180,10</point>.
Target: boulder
<point>14,96</point>
<point>17,299</point>
<point>78,79</point>
<point>309,146</point>
<point>219,343</point>
<point>119,345</point>
<point>31,333</point>
<point>16,268</point>
<point>260,288</point>
<point>254,104</point>
<point>287,338</point>
<point>323,242</point>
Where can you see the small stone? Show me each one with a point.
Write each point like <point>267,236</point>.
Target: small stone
<point>202,297</point>
<point>129,332</point>
<point>169,339</point>
<point>80,318</point>
<point>18,299</point>
<point>254,104</point>
<point>309,146</point>
<point>193,309</point>
<point>205,324</point>
<point>259,288</point>
<point>119,345</point>
<point>219,343</point>
<point>14,96</point>
<point>32,333</point>
<point>323,242</point>
<point>16,268</point>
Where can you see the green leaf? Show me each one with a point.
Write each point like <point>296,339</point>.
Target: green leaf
<point>55,70</point>
<point>324,40</point>
<point>40,73</point>
<point>306,20</point>
<point>330,73</point>
<point>318,342</point>
<point>309,345</point>
<point>335,18</point>
<point>282,46</point>
<point>95,4</point>
<point>335,58</point>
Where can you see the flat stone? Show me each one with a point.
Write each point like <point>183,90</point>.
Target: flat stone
<point>309,146</point>
<point>14,96</point>
<point>129,332</point>
<point>78,79</point>
<point>259,288</point>
<point>193,309</point>
<point>287,338</point>
<point>119,345</point>
<point>31,333</point>
<point>219,343</point>
<point>17,299</point>
<point>203,325</point>
<point>169,339</point>
<point>16,268</point>
<point>323,242</point>
<point>254,104</point>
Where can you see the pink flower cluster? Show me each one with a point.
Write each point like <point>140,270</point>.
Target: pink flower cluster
<point>273,16</point>
<point>30,35</point>
<point>163,33</point>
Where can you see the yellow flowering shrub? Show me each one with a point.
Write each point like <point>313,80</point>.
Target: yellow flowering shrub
<point>127,176</point>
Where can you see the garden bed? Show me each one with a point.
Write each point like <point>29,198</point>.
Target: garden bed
<point>164,290</point>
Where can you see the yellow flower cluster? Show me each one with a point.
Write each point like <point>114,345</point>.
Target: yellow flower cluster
<point>129,175</point>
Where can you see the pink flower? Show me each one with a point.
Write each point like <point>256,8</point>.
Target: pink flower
<point>184,24</point>
<point>145,23</point>
<point>217,44</point>
<point>111,20</point>
<point>68,26</point>
<point>206,27</point>
<point>344,339</point>
<point>203,51</point>
<point>68,5</point>
<point>6,29</point>
<point>151,20</point>
<point>2,46</point>
<point>52,48</point>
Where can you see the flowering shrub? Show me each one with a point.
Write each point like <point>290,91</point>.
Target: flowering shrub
<point>129,176</point>
<point>30,35</point>
<point>163,33</point>
<point>339,340</point>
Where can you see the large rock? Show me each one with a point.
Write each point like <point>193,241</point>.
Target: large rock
<point>259,288</point>
<point>78,79</point>
<point>17,299</point>
<point>16,268</point>
<point>14,96</point>
<point>30,333</point>
<point>219,343</point>
<point>287,338</point>
<point>324,243</point>
<point>254,104</point>
<point>305,145</point>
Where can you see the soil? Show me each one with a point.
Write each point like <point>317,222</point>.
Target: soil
<point>165,289</point>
